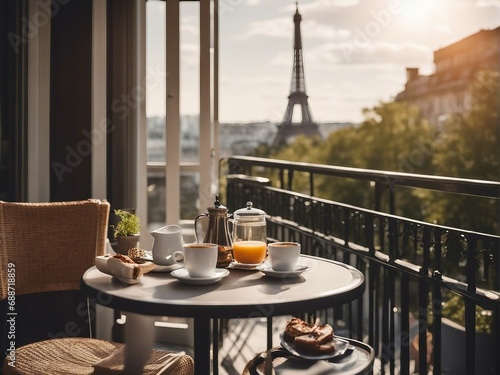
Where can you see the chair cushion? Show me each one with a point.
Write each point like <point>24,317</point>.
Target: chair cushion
<point>59,356</point>
<point>160,362</point>
<point>86,356</point>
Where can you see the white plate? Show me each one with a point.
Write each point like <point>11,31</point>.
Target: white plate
<point>267,269</point>
<point>243,266</point>
<point>341,347</point>
<point>182,275</point>
<point>126,280</point>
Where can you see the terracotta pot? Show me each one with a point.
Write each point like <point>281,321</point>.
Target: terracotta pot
<point>453,350</point>
<point>124,243</point>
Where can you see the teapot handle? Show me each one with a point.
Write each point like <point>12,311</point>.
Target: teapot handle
<point>196,226</point>
<point>230,225</point>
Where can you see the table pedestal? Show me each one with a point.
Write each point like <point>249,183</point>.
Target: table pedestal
<point>137,351</point>
<point>202,346</point>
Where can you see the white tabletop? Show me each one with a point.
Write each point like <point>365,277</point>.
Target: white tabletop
<point>242,292</point>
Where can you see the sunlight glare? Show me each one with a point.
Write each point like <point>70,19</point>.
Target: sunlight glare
<point>418,13</point>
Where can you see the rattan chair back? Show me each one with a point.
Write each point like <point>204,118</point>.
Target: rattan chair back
<point>48,246</point>
<point>45,248</point>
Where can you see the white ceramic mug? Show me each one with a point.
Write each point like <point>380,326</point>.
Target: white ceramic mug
<point>283,256</point>
<point>167,240</point>
<point>200,259</point>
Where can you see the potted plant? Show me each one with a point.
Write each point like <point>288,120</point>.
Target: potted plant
<point>127,231</point>
<point>453,338</point>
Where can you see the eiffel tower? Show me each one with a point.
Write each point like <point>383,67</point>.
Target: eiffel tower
<point>287,130</point>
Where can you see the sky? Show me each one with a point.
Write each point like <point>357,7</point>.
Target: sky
<point>355,52</point>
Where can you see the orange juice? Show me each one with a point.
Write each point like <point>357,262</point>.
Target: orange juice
<point>249,252</point>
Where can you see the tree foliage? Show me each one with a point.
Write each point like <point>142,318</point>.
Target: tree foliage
<point>395,137</point>
<point>469,147</point>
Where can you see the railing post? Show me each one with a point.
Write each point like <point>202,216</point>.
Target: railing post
<point>470,307</point>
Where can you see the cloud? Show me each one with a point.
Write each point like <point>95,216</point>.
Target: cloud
<point>319,4</point>
<point>488,3</point>
<point>328,54</point>
<point>275,27</point>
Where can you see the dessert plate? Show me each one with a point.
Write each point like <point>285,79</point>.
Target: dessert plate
<point>127,280</point>
<point>182,275</point>
<point>244,266</point>
<point>268,271</point>
<point>341,347</point>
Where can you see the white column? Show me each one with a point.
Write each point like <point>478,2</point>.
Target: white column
<point>99,120</point>
<point>215,57</point>
<point>39,106</point>
<point>141,170</point>
<point>172,169</point>
<point>206,193</point>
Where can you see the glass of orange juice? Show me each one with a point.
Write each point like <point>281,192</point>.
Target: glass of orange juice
<point>249,252</point>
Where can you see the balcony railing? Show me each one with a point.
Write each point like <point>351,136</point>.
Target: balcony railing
<point>412,267</point>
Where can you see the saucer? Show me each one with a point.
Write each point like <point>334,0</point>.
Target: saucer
<point>159,267</point>
<point>170,268</point>
<point>183,275</point>
<point>268,271</point>
<point>243,266</point>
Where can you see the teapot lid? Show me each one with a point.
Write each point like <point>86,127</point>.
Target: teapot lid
<point>218,206</point>
<point>249,210</point>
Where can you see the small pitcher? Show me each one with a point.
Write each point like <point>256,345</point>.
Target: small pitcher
<point>167,240</point>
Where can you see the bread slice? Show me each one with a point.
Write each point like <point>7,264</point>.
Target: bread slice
<point>320,339</point>
<point>122,266</point>
<point>313,348</point>
<point>310,337</point>
<point>297,327</point>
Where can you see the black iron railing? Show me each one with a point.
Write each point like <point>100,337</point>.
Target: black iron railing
<point>413,269</point>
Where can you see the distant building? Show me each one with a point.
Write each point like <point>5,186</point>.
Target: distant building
<point>448,90</point>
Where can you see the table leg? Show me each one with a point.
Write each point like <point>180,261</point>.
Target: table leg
<point>139,340</point>
<point>269,332</point>
<point>202,346</point>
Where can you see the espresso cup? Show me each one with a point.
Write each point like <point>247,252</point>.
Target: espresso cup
<point>283,256</point>
<point>200,259</point>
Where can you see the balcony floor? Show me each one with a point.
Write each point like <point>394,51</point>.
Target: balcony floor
<point>247,337</point>
<point>244,339</point>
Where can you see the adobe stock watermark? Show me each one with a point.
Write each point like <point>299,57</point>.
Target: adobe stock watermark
<point>11,314</point>
<point>83,310</point>
<point>74,156</point>
<point>121,107</point>
<point>484,87</point>
<point>379,20</point>
<point>420,153</point>
<point>39,19</point>
<point>227,6</point>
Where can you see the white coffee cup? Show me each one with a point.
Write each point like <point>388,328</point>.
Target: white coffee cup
<point>283,256</point>
<point>200,259</point>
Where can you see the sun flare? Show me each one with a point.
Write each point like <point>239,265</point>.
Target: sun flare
<point>418,12</point>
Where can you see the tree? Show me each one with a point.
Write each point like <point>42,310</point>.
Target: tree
<point>392,137</point>
<point>469,147</point>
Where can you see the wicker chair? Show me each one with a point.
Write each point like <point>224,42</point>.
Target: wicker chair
<point>44,250</point>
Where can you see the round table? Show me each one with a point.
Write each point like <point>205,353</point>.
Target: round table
<point>241,294</point>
